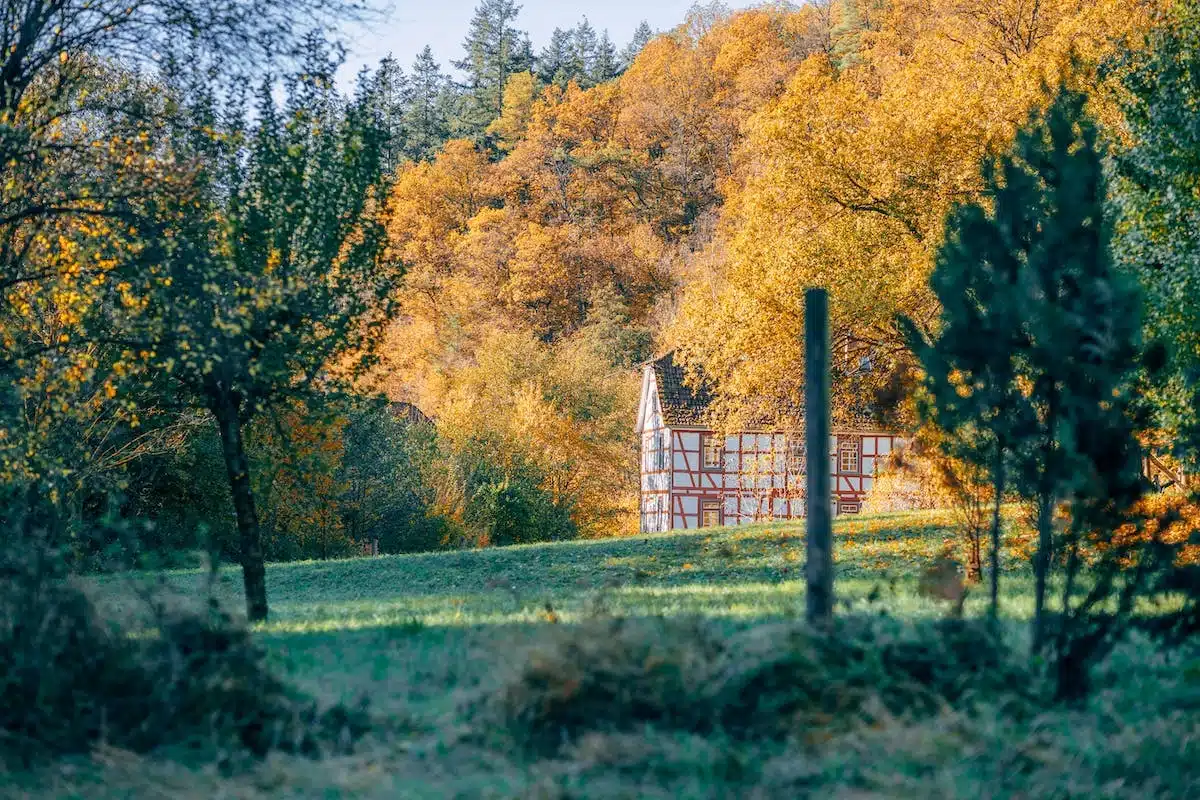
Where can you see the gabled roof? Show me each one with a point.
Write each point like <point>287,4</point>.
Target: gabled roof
<point>681,404</point>
<point>407,412</point>
<point>687,406</point>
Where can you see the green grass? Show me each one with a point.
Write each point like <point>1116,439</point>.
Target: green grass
<point>339,627</point>
<point>424,637</point>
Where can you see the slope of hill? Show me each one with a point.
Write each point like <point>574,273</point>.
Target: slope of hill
<point>468,660</point>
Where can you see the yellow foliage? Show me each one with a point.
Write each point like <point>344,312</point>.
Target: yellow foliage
<point>846,180</point>
<point>513,121</point>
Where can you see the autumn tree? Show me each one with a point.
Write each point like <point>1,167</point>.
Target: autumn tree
<point>82,120</point>
<point>848,179</point>
<point>513,122</point>
<point>270,282</point>
<point>604,197</point>
<point>294,456</point>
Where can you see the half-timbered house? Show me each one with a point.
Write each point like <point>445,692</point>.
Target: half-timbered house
<point>695,477</point>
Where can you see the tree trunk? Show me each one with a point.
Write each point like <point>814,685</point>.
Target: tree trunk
<point>999,480</point>
<point>1045,522</point>
<point>1041,567</point>
<point>237,465</point>
<point>975,555</point>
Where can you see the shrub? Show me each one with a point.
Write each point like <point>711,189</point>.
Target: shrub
<point>70,680</point>
<point>769,681</point>
<point>507,502</point>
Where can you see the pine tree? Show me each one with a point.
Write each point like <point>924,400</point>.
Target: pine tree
<point>641,38</point>
<point>554,62</point>
<point>1081,336</point>
<point>846,35</point>
<point>586,44</point>
<point>390,85</point>
<point>1035,364</point>
<point>426,126</point>
<point>494,50</point>
<point>607,65</point>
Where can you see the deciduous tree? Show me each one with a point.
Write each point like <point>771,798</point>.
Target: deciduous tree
<point>271,284</point>
<point>1158,209</point>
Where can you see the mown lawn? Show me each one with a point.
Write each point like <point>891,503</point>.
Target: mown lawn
<point>427,639</point>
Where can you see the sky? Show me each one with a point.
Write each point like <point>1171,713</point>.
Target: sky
<point>408,25</point>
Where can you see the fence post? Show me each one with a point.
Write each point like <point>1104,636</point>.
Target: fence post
<point>819,520</point>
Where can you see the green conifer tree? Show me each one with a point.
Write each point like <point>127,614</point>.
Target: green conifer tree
<point>494,50</point>
<point>586,51</point>
<point>641,38</point>
<point>555,62</point>
<point>1037,358</point>
<point>390,85</point>
<point>607,65</point>
<point>426,125</point>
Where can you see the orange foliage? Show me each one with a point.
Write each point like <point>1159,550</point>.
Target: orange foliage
<point>1181,515</point>
<point>600,193</point>
<point>736,161</point>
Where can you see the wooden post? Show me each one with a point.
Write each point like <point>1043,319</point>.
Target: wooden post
<point>819,519</point>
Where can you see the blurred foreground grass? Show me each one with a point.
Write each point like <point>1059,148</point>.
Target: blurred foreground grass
<point>424,637</point>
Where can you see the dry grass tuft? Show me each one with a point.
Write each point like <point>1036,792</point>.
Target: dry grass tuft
<point>771,680</point>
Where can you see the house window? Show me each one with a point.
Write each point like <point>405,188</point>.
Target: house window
<point>660,453</point>
<point>710,514</point>
<point>714,452</point>
<point>848,457</point>
<point>795,457</point>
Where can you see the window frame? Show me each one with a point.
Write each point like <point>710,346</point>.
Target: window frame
<point>849,445</point>
<point>705,440</point>
<point>720,508</point>
<point>796,456</point>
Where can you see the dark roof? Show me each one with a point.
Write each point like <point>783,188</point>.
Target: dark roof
<point>407,412</point>
<point>685,405</point>
<point>681,404</point>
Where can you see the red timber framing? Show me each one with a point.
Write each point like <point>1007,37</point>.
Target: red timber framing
<point>760,476</point>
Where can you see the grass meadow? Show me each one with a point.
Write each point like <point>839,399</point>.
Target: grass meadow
<point>428,642</point>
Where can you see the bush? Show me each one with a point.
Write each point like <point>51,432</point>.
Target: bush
<point>765,682</point>
<point>69,680</point>
<point>507,503</point>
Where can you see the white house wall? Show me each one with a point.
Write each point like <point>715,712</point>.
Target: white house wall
<point>655,460</point>
<point>756,481</point>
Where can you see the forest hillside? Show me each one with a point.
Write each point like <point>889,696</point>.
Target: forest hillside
<point>686,203</point>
